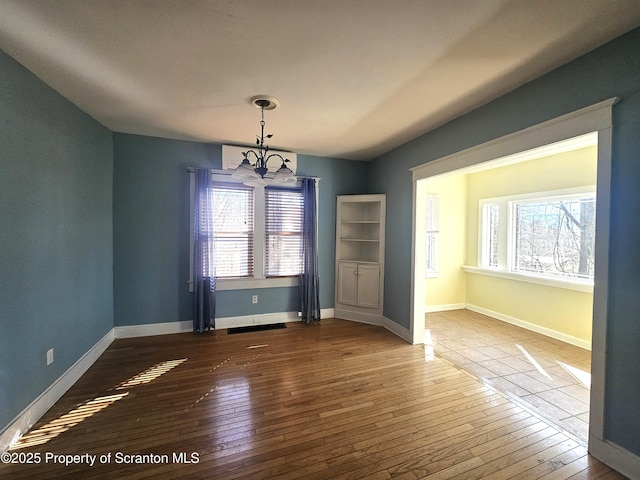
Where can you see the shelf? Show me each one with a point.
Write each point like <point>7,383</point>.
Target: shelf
<point>359,239</point>
<point>360,211</point>
<point>361,221</point>
<point>360,229</point>
<point>354,260</point>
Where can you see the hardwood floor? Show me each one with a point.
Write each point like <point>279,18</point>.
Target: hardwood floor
<point>336,401</point>
<point>549,376</point>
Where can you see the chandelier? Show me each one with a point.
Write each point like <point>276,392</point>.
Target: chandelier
<point>253,174</point>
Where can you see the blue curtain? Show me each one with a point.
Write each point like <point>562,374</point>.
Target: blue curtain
<point>309,278</point>
<point>204,279</point>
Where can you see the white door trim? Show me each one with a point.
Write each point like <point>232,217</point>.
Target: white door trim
<point>595,118</point>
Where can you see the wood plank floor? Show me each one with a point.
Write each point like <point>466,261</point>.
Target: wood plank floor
<point>551,377</point>
<point>336,401</point>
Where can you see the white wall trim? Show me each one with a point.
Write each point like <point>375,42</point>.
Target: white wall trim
<point>151,329</point>
<point>377,320</point>
<point>260,319</point>
<point>568,283</point>
<point>252,283</point>
<point>361,317</point>
<point>445,307</point>
<point>601,286</point>
<point>327,313</point>
<point>396,329</point>
<point>617,457</point>
<point>563,337</point>
<point>586,120</point>
<point>148,330</point>
<point>34,411</point>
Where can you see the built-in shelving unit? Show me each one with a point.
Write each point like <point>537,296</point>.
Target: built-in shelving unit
<point>360,223</point>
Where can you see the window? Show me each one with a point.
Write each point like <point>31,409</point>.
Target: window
<point>233,230</point>
<point>544,234</point>
<point>257,232</point>
<point>283,232</point>
<point>492,229</point>
<point>432,234</point>
<point>555,236</point>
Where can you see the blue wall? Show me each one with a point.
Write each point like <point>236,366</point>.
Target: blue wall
<point>151,230</point>
<point>610,71</point>
<point>76,201</point>
<point>56,285</point>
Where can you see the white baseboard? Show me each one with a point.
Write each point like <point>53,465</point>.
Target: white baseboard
<point>266,319</point>
<point>399,330</point>
<point>578,342</point>
<point>378,320</point>
<point>327,313</point>
<point>34,411</point>
<point>615,456</point>
<point>361,317</point>
<point>150,329</point>
<point>131,331</point>
<point>445,307</point>
<point>147,330</point>
<point>260,319</point>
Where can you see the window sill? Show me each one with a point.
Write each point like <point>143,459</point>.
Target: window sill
<point>570,284</point>
<point>251,283</point>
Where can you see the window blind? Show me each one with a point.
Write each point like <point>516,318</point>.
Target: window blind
<point>283,232</point>
<point>233,229</point>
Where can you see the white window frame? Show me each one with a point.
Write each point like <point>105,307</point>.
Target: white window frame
<point>259,280</point>
<point>432,235</point>
<point>506,240</point>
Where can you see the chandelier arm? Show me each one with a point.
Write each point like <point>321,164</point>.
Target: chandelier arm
<point>246,154</point>
<point>276,155</point>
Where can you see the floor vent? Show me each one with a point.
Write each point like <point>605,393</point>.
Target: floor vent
<point>256,328</point>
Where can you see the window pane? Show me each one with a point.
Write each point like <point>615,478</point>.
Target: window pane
<point>492,219</point>
<point>283,232</point>
<point>555,237</point>
<point>233,230</point>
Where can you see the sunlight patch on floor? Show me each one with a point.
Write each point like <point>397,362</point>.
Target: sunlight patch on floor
<point>66,421</point>
<point>533,361</point>
<point>429,352</point>
<point>151,374</point>
<point>91,407</point>
<point>583,377</point>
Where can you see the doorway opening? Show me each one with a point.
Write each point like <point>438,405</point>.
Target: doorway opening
<point>512,241</point>
<point>487,279</point>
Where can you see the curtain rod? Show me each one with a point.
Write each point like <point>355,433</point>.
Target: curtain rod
<point>230,172</point>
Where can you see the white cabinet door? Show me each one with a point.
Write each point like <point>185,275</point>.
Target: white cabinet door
<point>368,286</point>
<point>348,283</point>
<point>359,284</point>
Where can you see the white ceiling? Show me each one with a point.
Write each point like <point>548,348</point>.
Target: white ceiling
<point>354,78</point>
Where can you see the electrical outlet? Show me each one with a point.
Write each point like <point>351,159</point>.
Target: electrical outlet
<point>50,356</point>
<point>254,299</point>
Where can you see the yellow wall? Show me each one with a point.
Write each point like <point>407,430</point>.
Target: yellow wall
<point>568,312</point>
<point>449,287</point>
